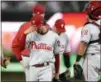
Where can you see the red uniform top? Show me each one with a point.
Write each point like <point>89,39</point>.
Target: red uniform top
<point>18,43</point>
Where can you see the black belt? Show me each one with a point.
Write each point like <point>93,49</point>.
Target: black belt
<point>41,65</point>
<point>93,54</point>
<point>94,41</point>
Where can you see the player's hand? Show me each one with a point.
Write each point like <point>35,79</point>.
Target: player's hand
<point>56,75</point>
<point>5,61</point>
<point>30,29</point>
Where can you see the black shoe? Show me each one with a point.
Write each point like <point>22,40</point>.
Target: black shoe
<point>64,77</point>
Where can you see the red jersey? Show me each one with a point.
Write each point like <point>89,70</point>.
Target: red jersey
<point>18,43</point>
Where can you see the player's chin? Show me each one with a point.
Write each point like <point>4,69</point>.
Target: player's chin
<point>39,31</point>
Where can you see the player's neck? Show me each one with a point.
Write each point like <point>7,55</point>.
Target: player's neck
<point>44,31</point>
<point>59,33</point>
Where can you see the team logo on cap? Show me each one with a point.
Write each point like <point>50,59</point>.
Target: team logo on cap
<point>62,25</point>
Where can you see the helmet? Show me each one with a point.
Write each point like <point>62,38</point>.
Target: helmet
<point>93,9</point>
<point>60,25</point>
<point>37,20</point>
<point>96,14</point>
<point>89,7</point>
<point>38,9</point>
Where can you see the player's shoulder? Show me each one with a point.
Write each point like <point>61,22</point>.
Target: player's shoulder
<point>89,26</point>
<point>64,35</point>
<point>54,34</point>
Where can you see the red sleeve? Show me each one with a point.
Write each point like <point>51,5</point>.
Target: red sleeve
<point>22,41</point>
<point>18,43</point>
<point>57,63</point>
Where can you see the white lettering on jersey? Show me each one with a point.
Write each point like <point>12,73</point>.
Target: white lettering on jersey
<point>41,46</point>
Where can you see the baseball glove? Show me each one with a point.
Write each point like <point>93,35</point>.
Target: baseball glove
<point>78,71</point>
<point>5,61</point>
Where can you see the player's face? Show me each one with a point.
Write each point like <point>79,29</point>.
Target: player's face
<point>55,29</point>
<point>40,29</point>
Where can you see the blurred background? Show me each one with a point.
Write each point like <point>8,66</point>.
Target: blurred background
<point>15,13</point>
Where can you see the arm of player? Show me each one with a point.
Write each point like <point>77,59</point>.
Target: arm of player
<point>26,30</point>
<point>82,49</point>
<point>67,52</point>
<point>67,46</point>
<point>57,57</point>
<point>16,49</point>
<point>85,38</point>
<point>28,45</point>
<point>57,65</point>
<point>18,44</point>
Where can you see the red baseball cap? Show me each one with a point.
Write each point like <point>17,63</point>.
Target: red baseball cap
<point>38,9</point>
<point>60,25</point>
<point>37,20</point>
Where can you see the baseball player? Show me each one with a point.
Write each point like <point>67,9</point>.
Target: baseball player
<point>65,50</point>
<point>18,43</point>
<point>90,44</point>
<point>43,45</point>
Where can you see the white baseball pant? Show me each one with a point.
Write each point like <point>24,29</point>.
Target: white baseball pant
<point>91,67</point>
<point>40,73</point>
